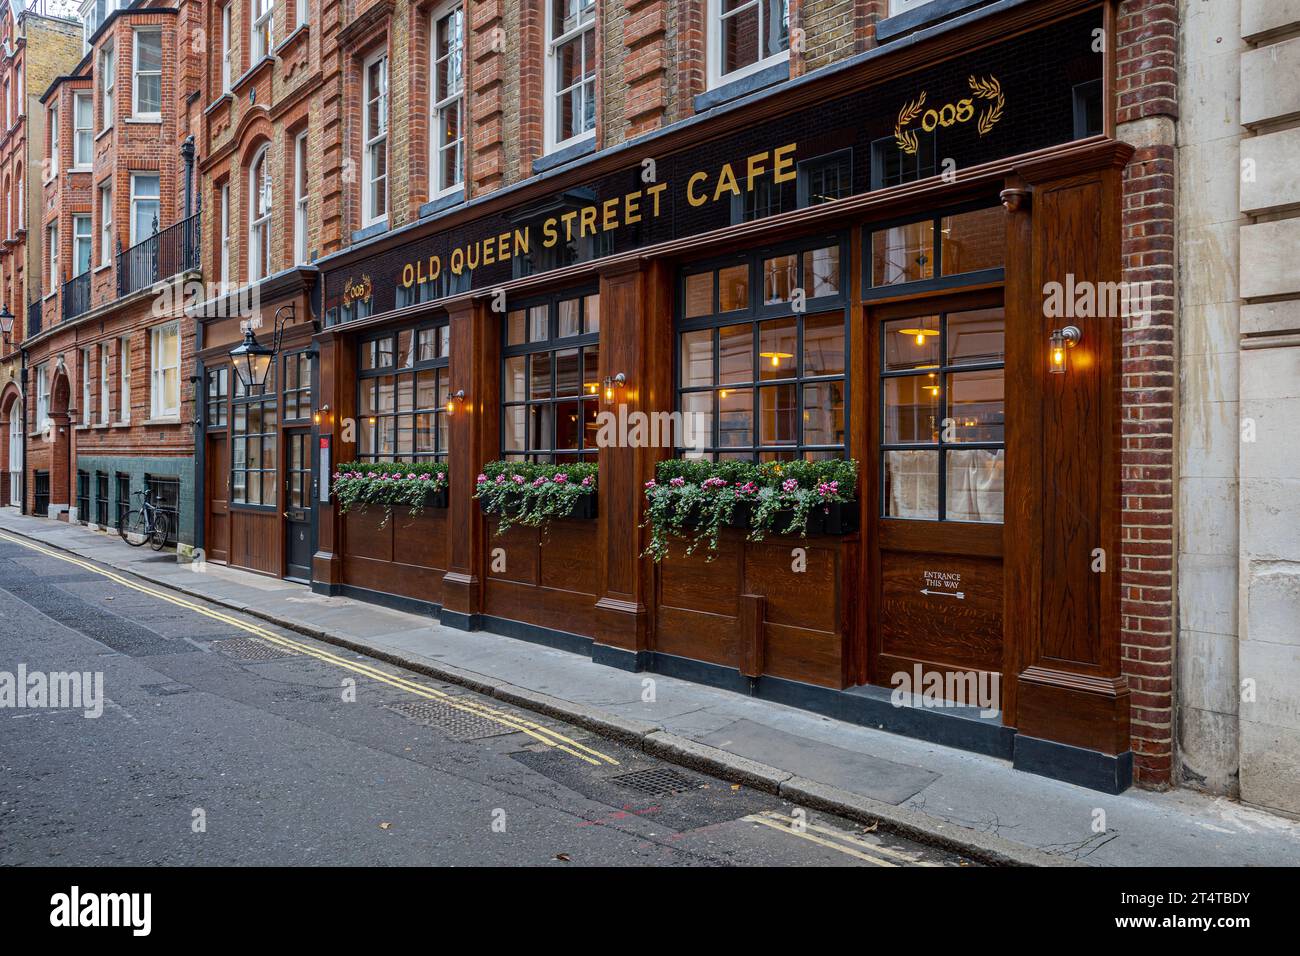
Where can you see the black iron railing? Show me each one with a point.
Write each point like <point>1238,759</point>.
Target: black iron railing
<point>33,318</point>
<point>161,256</point>
<point>76,296</point>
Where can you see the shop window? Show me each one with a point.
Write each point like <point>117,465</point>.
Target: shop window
<point>216,395</point>
<point>890,166</point>
<point>969,243</point>
<point>943,442</point>
<point>745,36</point>
<point>253,442</point>
<point>825,178</point>
<point>571,71</point>
<point>402,395</point>
<point>550,384</point>
<point>297,386</point>
<point>758,378</point>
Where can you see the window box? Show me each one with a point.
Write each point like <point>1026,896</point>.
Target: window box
<point>534,494</point>
<point>414,485</point>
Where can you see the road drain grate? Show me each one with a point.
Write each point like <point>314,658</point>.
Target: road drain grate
<point>249,650</point>
<point>455,722</point>
<point>655,782</point>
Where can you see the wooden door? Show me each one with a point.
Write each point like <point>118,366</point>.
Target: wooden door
<point>935,492</point>
<point>217,485</point>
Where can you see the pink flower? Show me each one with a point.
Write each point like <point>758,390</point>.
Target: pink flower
<point>586,482</point>
<point>424,477</point>
<point>789,485</point>
<point>482,478</point>
<point>561,478</point>
<point>677,482</point>
<point>748,488</point>
<point>519,479</point>
<point>649,484</point>
<point>828,489</point>
<point>712,483</point>
<point>539,481</point>
<point>410,474</point>
<point>500,479</point>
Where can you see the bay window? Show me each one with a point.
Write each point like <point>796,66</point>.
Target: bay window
<point>106,223</point>
<point>83,135</point>
<point>447,154</point>
<point>374,134</point>
<point>81,243</point>
<point>550,384</point>
<point>571,71</point>
<point>107,84</point>
<point>145,206</point>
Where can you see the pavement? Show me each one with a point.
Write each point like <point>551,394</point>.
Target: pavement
<point>964,803</point>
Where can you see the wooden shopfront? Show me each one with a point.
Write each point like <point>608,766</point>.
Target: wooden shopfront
<point>852,267</point>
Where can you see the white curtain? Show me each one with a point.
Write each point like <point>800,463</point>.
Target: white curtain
<point>975,484</point>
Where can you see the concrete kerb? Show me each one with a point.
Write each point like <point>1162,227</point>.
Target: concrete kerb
<point>654,740</point>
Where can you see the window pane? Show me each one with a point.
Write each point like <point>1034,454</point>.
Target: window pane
<point>591,370</point>
<point>973,240</point>
<point>736,354</point>
<point>426,389</point>
<point>405,393</point>
<point>975,489</point>
<point>367,397</point>
<point>733,288</point>
<point>568,372</point>
<point>696,361</point>
<point>823,413</point>
<point>777,423</point>
<point>821,272</point>
<point>514,378</point>
<point>427,349</point>
<point>539,427</point>
<point>515,334</point>
<point>697,421</point>
<point>384,358</point>
<point>975,404</point>
<point>513,427</point>
<point>539,323</point>
<point>735,417</point>
<point>405,349</point>
<point>912,484</point>
<point>823,345</point>
<point>902,253</point>
<point>424,433</point>
<point>780,277</point>
<point>977,337</point>
<point>740,35</point>
<point>384,395</point>
<point>911,409</point>
<point>539,385</point>
<point>699,294</point>
<point>912,343</point>
<point>592,309</point>
<point>568,424</point>
<point>777,348</point>
<point>570,318</point>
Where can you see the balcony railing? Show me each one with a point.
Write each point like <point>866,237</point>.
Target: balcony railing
<point>34,317</point>
<point>76,296</point>
<point>161,256</point>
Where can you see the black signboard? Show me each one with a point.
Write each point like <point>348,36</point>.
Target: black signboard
<point>1032,91</point>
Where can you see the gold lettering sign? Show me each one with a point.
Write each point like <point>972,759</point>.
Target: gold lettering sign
<point>358,291</point>
<point>950,114</point>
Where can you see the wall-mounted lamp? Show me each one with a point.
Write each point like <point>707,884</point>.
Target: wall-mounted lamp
<point>1062,341</point>
<point>6,323</point>
<point>322,415</point>
<point>617,381</point>
<point>457,398</point>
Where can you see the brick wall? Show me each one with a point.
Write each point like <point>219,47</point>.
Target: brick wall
<point>1147,43</point>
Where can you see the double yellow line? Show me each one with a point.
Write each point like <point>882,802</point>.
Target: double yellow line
<point>838,840</point>
<point>538,732</point>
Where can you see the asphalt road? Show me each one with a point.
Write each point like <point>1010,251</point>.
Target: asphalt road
<point>222,745</point>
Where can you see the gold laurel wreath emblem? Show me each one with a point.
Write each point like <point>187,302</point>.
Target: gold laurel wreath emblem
<point>906,138</point>
<point>989,89</point>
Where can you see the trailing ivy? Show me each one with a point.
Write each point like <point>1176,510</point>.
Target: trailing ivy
<point>530,494</point>
<point>693,499</point>
<point>359,484</point>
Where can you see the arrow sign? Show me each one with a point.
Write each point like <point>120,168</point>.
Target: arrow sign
<point>959,595</point>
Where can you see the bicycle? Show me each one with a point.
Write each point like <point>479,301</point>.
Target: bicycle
<point>145,523</point>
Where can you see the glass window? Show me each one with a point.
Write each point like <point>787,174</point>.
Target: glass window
<point>300,198</point>
<point>107,83</point>
<point>571,72</point>
<point>756,379</point>
<point>263,28</point>
<point>403,395</point>
<point>253,443</point>
<point>942,395</point>
<point>216,395</point>
<point>297,386</point>
<point>165,371</point>
<point>745,36</point>
<point>259,220</point>
<point>375,138</point>
<point>550,388</point>
<point>81,242</point>
<point>955,244</point>
<point>146,73</point>
<point>145,207</point>
<point>448,100</point>
<point>83,118</point>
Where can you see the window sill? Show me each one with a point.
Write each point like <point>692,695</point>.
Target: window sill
<point>49,295</point>
<point>299,30</point>
<point>564,154</point>
<point>370,231</point>
<point>162,421</point>
<point>125,424</point>
<point>224,99</point>
<point>103,132</point>
<point>730,90</point>
<point>453,197</point>
<point>82,169</point>
<point>891,28</point>
<point>106,265</point>
<point>146,120</point>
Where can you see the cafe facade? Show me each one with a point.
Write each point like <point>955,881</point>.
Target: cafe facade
<point>910,260</point>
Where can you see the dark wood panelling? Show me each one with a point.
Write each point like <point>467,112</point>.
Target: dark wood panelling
<point>549,577</point>
<point>960,632</point>
<point>216,459</point>
<point>256,540</point>
<point>406,556</point>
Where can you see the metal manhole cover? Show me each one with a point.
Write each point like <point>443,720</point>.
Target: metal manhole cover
<point>655,782</point>
<point>249,650</point>
<point>457,723</point>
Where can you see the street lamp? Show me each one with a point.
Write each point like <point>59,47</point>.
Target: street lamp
<point>252,359</point>
<point>6,322</point>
